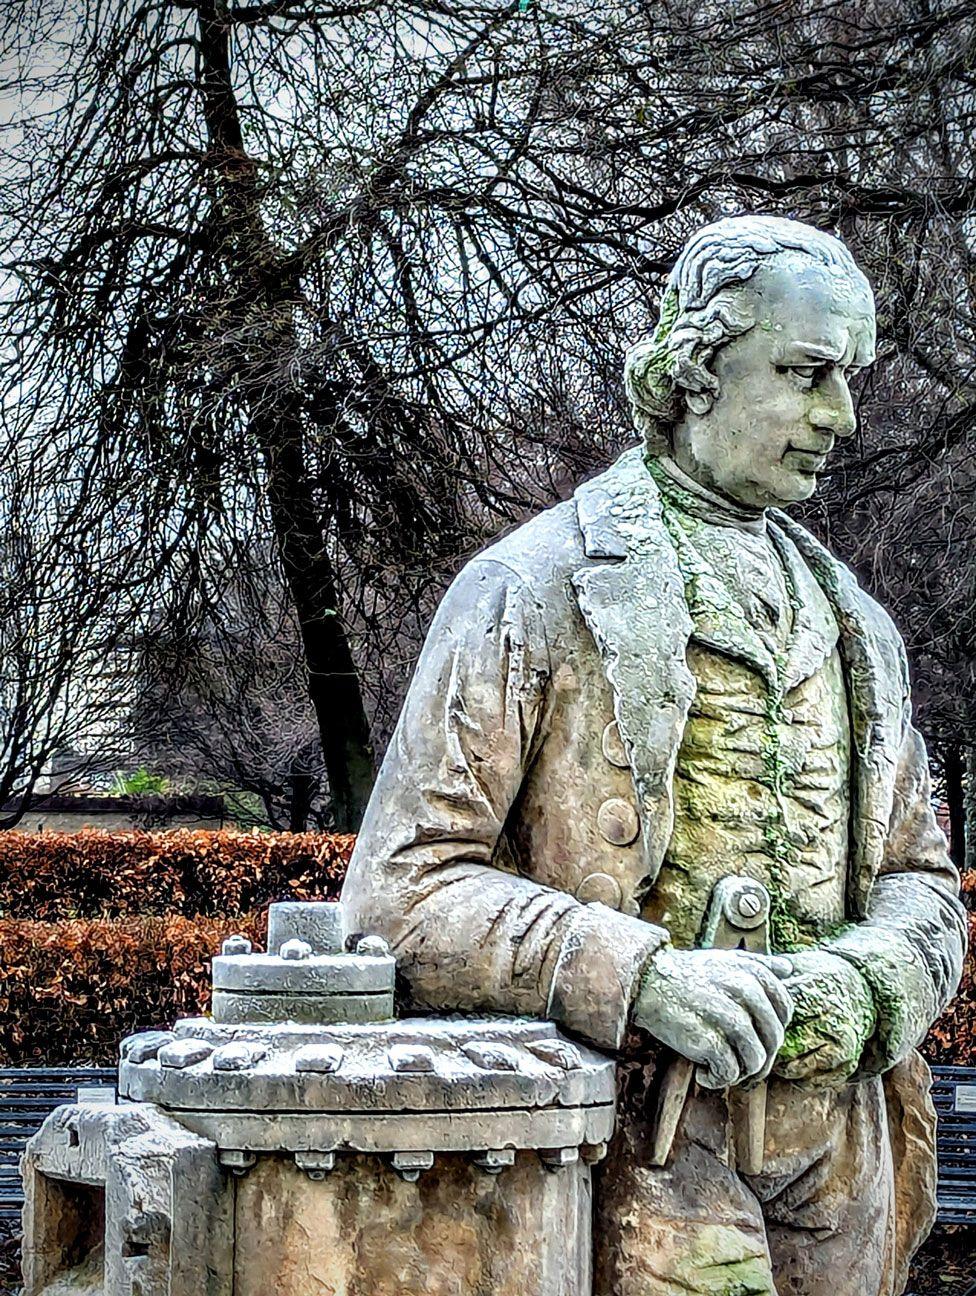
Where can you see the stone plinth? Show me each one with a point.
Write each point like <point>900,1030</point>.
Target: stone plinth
<point>314,1144</point>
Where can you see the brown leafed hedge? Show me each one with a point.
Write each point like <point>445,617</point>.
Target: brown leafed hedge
<point>98,874</point>
<point>69,991</point>
<point>952,1040</point>
<point>103,933</point>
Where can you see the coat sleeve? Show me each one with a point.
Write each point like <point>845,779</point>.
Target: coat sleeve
<point>911,944</point>
<point>469,933</point>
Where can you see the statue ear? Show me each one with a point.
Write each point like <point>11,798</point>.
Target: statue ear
<point>699,402</point>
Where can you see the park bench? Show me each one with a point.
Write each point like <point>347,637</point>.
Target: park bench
<point>27,1096</point>
<point>954,1094</point>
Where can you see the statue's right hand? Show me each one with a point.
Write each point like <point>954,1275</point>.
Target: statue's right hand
<point>726,1010</point>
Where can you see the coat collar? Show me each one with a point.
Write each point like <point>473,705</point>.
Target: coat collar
<point>632,597</point>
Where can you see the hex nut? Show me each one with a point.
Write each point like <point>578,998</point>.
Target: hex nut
<point>238,1056</point>
<point>408,1165</point>
<point>318,1057</point>
<point>236,945</point>
<point>558,1158</point>
<point>411,1057</point>
<point>494,1160</point>
<point>316,1164</point>
<point>295,949</point>
<point>557,1052</point>
<point>492,1057</point>
<point>146,1045</point>
<point>184,1053</point>
<point>592,1153</point>
<point>372,947</point>
<point>236,1160</point>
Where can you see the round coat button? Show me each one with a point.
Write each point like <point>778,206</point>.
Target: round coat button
<point>617,821</point>
<point>613,746</point>
<point>600,887</point>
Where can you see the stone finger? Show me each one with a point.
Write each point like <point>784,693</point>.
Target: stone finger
<point>777,993</point>
<point>736,1025</point>
<point>720,1068</point>
<point>751,994</point>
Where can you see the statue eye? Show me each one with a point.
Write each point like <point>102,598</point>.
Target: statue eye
<point>806,373</point>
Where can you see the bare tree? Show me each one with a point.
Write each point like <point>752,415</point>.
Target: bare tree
<point>361,275</point>
<point>227,711</point>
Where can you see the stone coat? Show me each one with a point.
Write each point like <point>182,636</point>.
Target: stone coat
<point>524,806</point>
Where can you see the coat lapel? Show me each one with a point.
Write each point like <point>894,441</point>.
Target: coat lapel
<point>815,632</point>
<point>631,595</point>
<point>876,686</point>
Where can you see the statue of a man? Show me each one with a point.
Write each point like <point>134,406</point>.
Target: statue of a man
<point>657,685</point>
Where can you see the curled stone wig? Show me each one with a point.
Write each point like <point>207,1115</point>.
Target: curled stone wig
<point>703,309</point>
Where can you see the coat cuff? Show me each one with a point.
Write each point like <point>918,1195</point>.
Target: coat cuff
<point>597,970</point>
<point>902,989</point>
<point>909,949</point>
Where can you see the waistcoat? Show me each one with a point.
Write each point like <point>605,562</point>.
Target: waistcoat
<point>762,779</point>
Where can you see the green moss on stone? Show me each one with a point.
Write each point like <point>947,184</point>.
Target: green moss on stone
<point>715,1265</point>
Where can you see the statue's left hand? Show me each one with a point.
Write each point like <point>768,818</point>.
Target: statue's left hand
<point>833,1019</point>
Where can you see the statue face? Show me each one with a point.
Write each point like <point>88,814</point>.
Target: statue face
<point>783,395</point>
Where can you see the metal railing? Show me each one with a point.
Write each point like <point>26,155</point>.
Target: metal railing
<point>27,1096</point>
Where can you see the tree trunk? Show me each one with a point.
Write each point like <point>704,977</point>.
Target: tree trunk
<point>969,802</point>
<point>264,301</point>
<point>954,767</point>
<point>333,681</point>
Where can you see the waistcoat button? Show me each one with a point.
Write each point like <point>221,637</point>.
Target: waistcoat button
<point>617,821</point>
<point>601,887</point>
<point>613,746</point>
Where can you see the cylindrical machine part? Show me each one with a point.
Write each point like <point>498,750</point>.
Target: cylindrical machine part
<point>378,1155</point>
<point>364,1230</point>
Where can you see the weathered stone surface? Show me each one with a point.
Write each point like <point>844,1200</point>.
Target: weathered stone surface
<point>321,925</point>
<point>463,1065</point>
<point>297,982</point>
<point>363,1231</point>
<point>236,1008</point>
<point>405,1131</point>
<point>124,1201</point>
<point>317,974</point>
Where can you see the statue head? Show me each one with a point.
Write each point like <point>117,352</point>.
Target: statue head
<point>745,379</point>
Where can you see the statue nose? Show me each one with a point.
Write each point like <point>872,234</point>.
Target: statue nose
<point>839,421</point>
<point>835,412</point>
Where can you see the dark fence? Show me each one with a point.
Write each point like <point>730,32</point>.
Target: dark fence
<point>27,1096</point>
<point>954,1094</point>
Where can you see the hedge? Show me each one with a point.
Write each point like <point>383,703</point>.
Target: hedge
<point>98,874</point>
<point>952,1040</point>
<point>105,933</point>
<point>69,991</point>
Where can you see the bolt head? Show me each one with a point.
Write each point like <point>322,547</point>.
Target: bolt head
<point>749,904</point>
<point>295,949</point>
<point>236,945</point>
<point>372,947</point>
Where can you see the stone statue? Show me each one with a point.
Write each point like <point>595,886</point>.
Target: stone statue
<point>644,692</point>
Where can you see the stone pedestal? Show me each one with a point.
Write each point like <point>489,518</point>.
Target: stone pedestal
<point>304,1142</point>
